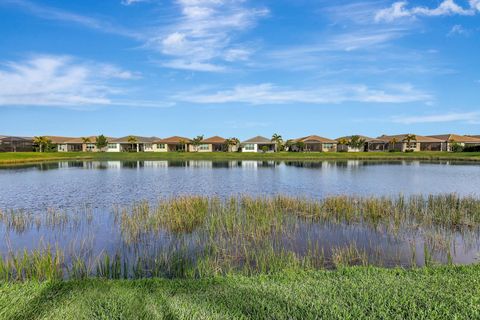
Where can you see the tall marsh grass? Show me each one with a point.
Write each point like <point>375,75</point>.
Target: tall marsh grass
<point>195,236</point>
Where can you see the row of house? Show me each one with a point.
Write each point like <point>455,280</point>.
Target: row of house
<point>313,143</point>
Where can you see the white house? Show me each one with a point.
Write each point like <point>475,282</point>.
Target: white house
<point>258,144</point>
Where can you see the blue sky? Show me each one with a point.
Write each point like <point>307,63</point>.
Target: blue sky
<point>239,67</point>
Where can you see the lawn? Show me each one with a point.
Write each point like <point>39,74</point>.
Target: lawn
<point>21,157</point>
<point>451,292</point>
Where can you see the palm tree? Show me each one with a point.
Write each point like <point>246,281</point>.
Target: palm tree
<point>42,142</point>
<point>289,143</point>
<point>84,142</point>
<point>278,141</point>
<point>231,142</point>
<point>392,143</point>
<point>133,141</point>
<point>409,138</point>
<point>300,145</point>
<point>196,142</point>
<point>356,142</point>
<point>183,144</point>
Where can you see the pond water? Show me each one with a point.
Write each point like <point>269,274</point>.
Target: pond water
<point>101,184</point>
<point>73,205</point>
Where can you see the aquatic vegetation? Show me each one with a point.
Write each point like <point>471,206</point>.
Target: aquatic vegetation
<point>196,236</point>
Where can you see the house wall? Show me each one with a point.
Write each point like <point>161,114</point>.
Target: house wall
<point>345,148</point>
<point>328,147</point>
<point>255,147</point>
<point>113,147</point>
<point>62,147</point>
<point>200,148</point>
<point>155,147</point>
<point>431,146</point>
<point>377,146</point>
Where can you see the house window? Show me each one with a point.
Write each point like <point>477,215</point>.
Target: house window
<point>328,145</point>
<point>204,147</point>
<point>112,146</point>
<point>249,147</point>
<point>90,146</point>
<point>412,145</point>
<point>160,146</point>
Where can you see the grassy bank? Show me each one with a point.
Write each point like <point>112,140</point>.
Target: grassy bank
<point>348,293</point>
<point>23,157</point>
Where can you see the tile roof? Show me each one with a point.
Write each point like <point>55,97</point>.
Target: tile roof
<point>315,139</point>
<point>259,140</point>
<point>457,138</point>
<point>214,139</point>
<point>367,139</point>
<point>402,137</point>
<point>173,140</point>
<point>138,138</point>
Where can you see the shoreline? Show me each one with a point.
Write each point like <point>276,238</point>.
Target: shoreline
<point>34,157</point>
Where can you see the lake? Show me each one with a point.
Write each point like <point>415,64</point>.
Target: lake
<point>70,184</point>
<point>89,209</point>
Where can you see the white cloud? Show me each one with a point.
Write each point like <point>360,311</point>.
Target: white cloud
<point>457,30</point>
<point>203,38</point>
<point>468,117</point>
<point>130,2</point>
<point>51,13</point>
<point>268,93</point>
<point>399,10</point>
<point>59,81</point>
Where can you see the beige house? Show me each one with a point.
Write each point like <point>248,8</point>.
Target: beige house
<point>410,143</point>
<point>344,146</point>
<point>69,144</point>
<point>449,140</point>
<point>16,144</point>
<point>257,144</point>
<point>173,144</point>
<point>315,143</point>
<point>212,144</point>
<point>132,144</point>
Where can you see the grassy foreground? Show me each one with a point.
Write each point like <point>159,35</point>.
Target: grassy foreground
<point>22,157</point>
<point>348,293</point>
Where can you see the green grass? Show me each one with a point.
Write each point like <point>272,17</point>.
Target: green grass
<point>348,293</point>
<point>22,157</point>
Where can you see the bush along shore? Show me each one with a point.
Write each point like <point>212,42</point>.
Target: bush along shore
<point>198,237</point>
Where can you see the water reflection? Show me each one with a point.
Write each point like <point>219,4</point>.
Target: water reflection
<point>70,184</point>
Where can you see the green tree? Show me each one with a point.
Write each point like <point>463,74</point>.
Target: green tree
<point>278,140</point>
<point>288,144</point>
<point>101,142</point>
<point>86,140</point>
<point>230,143</point>
<point>356,142</point>
<point>183,145</point>
<point>408,139</point>
<point>455,146</point>
<point>42,142</point>
<point>392,143</point>
<point>196,142</point>
<point>133,142</point>
<point>300,145</point>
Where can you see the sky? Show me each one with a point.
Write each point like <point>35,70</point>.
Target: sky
<point>239,68</point>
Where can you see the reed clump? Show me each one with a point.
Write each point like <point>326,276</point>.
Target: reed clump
<point>196,236</point>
